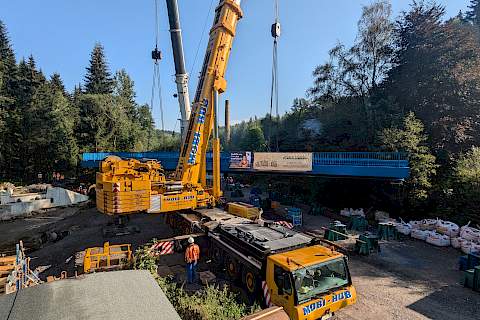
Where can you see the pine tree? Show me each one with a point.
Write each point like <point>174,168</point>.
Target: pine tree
<point>98,79</point>
<point>56,83</point>
<point>124,89</point>
<point>8,69</point>
<point>473,14</point>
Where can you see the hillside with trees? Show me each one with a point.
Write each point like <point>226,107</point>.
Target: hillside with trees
<point>44,128</point>
<point>409,84</point>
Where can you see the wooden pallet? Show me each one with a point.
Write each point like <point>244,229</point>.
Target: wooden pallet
<point>7,264</point>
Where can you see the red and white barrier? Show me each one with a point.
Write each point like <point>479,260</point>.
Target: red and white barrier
<point>284,224</point>
<point>266,294</point>
<point>163,248</point>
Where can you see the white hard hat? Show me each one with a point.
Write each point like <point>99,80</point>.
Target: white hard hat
<point>191,240</point>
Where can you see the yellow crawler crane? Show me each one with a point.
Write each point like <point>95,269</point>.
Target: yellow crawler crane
<point>129,186</point>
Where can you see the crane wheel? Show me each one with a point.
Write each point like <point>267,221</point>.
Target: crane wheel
<point>217,255</point>
<point>250,281</point>
<point>232,268</point>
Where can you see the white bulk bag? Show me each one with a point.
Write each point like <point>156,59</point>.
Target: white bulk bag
<point>467,246</point>
<point>438,240</point>
<point>457,242</point>
<point>403,227</point>
<point>447,228</point>
<point>469,233</point>
<point>475,248</point>
<point>359,213</point>
<point>346,212</point>
<point>381,216</point>
<point>420,234</point>
<point>415,224</point>
<point>428,224</point>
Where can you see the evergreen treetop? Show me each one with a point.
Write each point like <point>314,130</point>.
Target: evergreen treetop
<point>473,14</point>
<point>98,79</point>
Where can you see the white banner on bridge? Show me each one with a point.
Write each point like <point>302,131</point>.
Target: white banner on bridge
<point>288,162</point>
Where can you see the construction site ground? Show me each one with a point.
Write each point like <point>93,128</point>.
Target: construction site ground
<point>407,280</point>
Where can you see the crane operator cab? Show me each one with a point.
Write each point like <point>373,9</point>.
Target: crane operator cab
<point>310,283</point>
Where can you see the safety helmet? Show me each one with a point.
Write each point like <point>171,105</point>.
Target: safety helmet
<point>191,240</point>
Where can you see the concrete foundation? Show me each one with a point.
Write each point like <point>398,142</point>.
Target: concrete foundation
<point>22,205</point>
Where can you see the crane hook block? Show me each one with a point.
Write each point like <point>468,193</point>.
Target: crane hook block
<point>156,54</point>
<point>276,30</point>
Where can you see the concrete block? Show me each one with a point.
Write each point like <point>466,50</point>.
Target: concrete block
<point>64,197</point>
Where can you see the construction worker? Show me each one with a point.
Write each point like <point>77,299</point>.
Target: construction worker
<point>192,254</point>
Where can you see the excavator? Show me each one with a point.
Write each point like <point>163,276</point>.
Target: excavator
<point>129,186</point>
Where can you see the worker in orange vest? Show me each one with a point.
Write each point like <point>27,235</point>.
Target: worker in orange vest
<point>192,254</point>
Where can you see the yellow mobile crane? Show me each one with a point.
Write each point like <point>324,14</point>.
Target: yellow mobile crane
<point>276,265</point>
<point>129,186</point>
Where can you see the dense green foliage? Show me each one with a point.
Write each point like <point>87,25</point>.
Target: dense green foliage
<point>44,128</point>
<point>410,84</point>
<point>211,303</point>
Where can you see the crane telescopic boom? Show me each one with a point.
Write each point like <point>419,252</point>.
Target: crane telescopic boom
<point>191,164</point>
<point>181,75</point>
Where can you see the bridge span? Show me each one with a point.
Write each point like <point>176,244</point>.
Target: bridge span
<point>382,165</point>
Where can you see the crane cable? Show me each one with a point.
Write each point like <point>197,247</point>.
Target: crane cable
<point>200,41</point>
<point>156,82</point>
<point>276,31</point>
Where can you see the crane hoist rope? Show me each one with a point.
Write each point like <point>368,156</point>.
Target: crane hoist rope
<point>200,41</point>
<point>275,31</point>
<point>156,81</point>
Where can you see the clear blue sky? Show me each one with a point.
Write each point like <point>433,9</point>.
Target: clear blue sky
<point>60,34</point>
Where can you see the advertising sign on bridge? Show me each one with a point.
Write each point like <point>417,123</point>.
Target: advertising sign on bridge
<point>289,162</point>
<point>241,160</point>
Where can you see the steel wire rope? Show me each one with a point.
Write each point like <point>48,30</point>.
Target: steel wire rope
<point>274,85</point>
<point>156,82</point>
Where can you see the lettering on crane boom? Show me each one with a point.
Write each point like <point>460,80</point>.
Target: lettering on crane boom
<point>324,302</point>
<point>196,136</point>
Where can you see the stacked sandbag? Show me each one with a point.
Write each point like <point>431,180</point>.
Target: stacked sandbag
<point>468,247</point>
<point>437,239</point>
<point>415,224</point>
<point>420,234</point>
<point>428,224</point>
<point>457,242</point>
<point>447,228</point>
<point>469,233</point>
<point>403,227</point>
<point>351,212</point>
<point>381,216</point>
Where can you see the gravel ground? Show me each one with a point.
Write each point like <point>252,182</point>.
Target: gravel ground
<point>407,280</point>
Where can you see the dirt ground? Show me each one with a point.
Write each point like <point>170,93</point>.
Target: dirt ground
<point>406,280</point>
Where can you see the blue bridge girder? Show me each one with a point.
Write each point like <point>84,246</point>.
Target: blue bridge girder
<point>382,165</point>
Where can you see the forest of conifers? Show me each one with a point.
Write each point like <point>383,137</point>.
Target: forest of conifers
<point>409,83</point>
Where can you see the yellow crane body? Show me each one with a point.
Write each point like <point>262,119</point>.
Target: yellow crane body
<point>130,186</point>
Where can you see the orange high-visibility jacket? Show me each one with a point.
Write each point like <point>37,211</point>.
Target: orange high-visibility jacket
<point>192,254</point>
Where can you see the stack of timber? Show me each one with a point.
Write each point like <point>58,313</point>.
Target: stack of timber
<point>16,273</point>
<point>7,265</point>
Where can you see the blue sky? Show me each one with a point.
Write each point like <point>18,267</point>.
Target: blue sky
<point>60,34</point>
